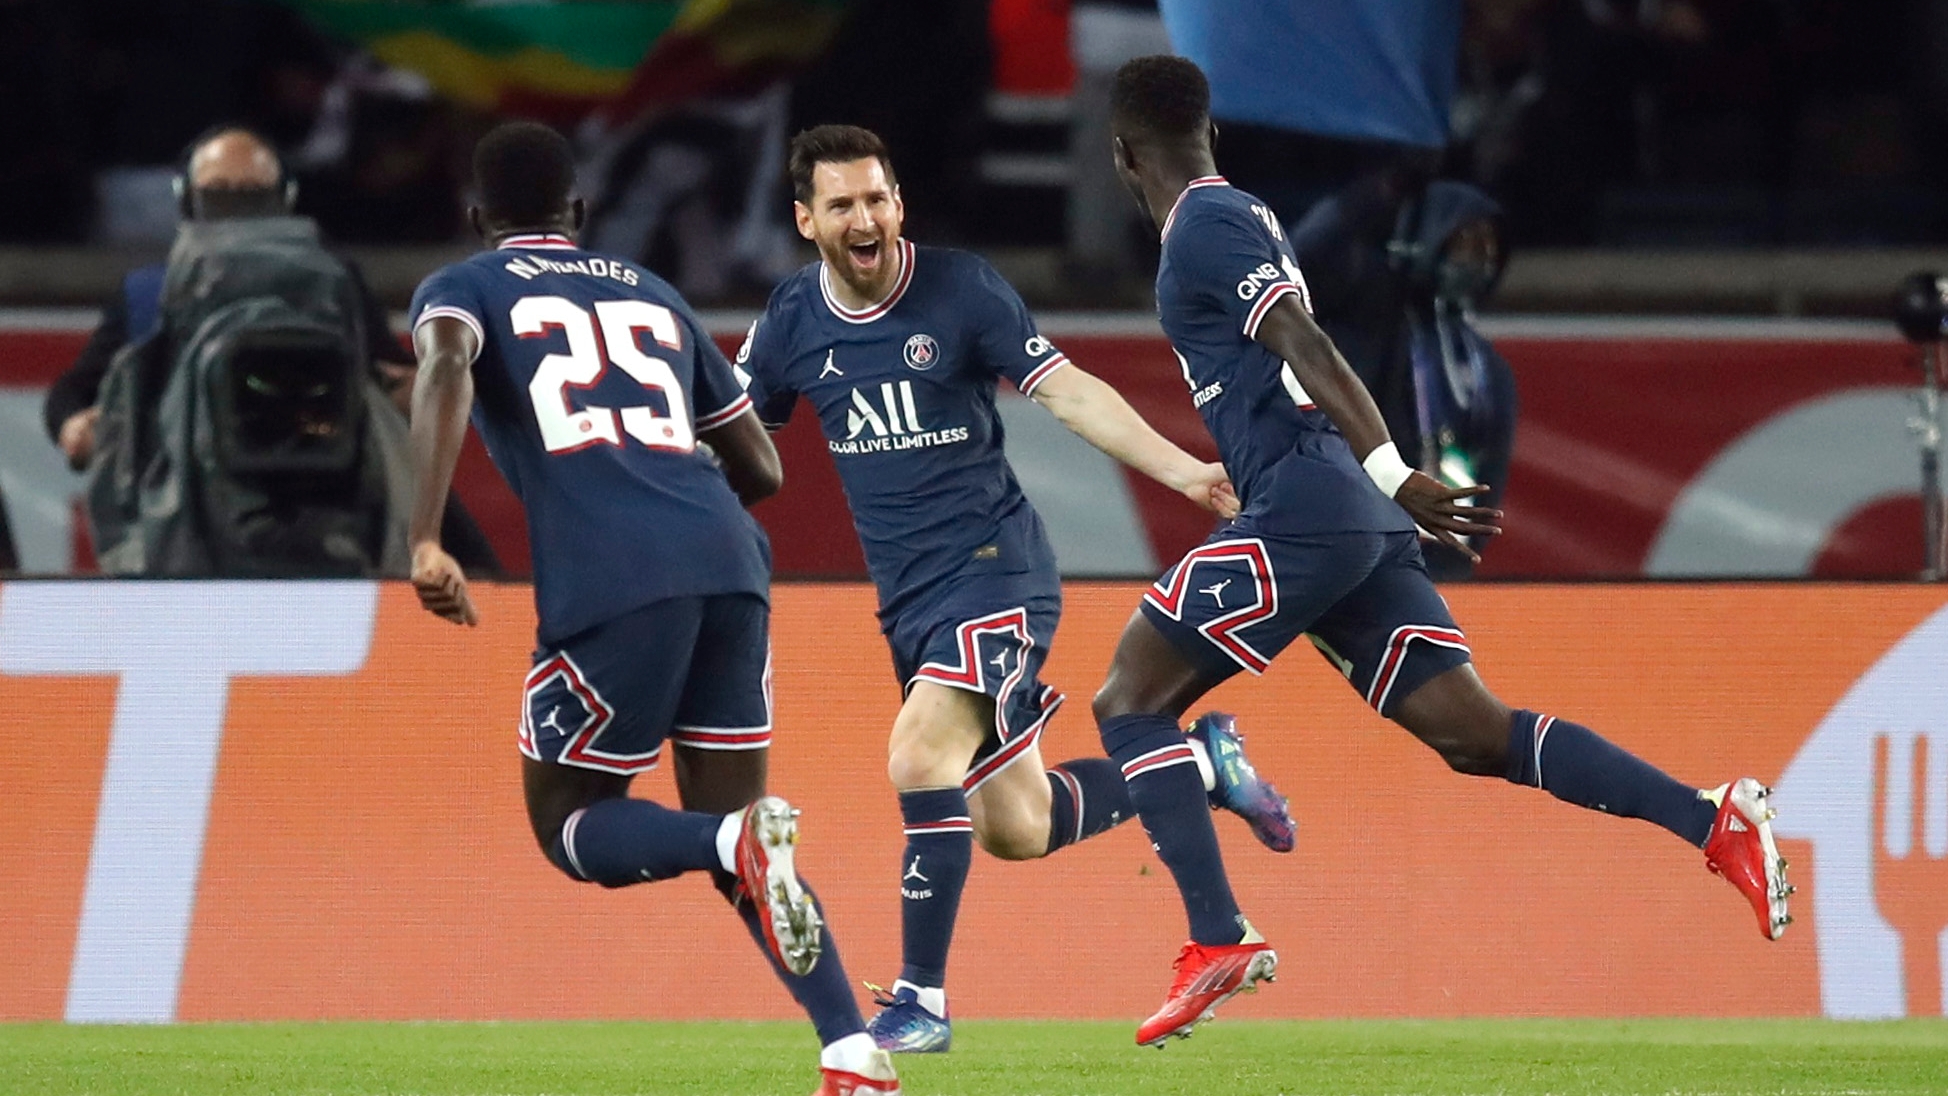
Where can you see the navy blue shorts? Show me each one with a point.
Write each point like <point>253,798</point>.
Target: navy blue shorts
<point>987,634</point>
<point>1364,599</point>
<point>694,670</point>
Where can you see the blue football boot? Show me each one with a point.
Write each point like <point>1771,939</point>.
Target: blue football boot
<point>904,1025</point>
<point>1240,789</point>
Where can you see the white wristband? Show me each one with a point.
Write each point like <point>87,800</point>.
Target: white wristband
<point>1386,468</point>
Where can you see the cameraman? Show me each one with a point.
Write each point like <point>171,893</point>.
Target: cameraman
<point>229,172</point>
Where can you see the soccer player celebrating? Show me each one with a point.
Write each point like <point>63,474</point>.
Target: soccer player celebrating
<point>1325,547</point>
<point>899,349</point>
<point>651,581</point>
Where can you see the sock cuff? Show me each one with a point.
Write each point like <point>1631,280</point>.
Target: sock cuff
<point>1065,809</point>
<point>1063,784</point>
<point>1126,736</point>
<point>1163,757</point>
<point>1526,732</point>
<point>563,851</point>
<point>935,810</point>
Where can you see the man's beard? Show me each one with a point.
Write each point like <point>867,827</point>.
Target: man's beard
<point>865,279</point>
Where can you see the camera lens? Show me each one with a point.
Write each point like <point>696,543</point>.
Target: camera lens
<point>1921,307</point>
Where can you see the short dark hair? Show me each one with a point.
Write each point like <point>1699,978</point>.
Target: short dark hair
<point>1161,97</point>
<point>832,145</point>
<point>525,172</point>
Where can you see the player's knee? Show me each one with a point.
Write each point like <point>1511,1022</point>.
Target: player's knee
<point>1016,837</point>
<point>1129,693</point>
<point>1111,701</point>
<point>1470,754</point>
<point>1471,761</point>
<point>914,762</point>
<point>931,749</point>
<point>1460,720</point>
<point>1015,845</point>
<point>1104,704</point>
<point>577,863</point>
<point>556,851</point>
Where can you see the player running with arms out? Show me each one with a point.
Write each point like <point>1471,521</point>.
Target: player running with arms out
<point>1326,548</point>
<point>898,348</point>
<point>594,387</point>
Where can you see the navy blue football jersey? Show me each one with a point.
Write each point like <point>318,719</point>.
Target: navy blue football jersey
<point>593,380</point>
<point>905,392</point>
<point>1225,263</point>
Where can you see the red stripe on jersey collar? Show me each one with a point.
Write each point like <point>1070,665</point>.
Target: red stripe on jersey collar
<point>873,311</point>
<point>1208,180</point>
<point>539,241</point>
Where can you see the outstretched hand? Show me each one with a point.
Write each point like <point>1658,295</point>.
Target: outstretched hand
<point>442,585</point>
<point>1211,488</point>
<point>1437,509</point>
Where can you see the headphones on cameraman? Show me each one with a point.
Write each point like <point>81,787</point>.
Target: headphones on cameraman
<point>179,183</point>
<point>1407,254</point>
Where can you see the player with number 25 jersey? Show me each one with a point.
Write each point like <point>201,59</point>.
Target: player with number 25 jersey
<point>595,389</point>
<point>593,382</point>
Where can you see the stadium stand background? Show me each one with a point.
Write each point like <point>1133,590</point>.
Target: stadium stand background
<point>1702,159</point>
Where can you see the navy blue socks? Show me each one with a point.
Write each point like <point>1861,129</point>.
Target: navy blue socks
<point>1167,791</point>
<point>826,993</point>
<point>933,872</point>
<point>616,842</point>
<point>1574,764</point>
<point>620,841</point>
<point>1088,797</point>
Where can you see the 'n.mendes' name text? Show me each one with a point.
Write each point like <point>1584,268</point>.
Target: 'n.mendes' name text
<point>528,266</point>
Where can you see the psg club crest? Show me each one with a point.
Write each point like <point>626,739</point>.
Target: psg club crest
<point>922,352</point>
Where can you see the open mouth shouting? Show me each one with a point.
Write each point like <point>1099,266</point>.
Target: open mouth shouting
<point>866,255</point>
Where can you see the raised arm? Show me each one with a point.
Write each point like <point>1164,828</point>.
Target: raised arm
<point>1288,331</point>
<point>1099,415</point>
<point>442,395</point>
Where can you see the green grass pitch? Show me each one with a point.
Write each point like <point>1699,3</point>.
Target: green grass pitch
<point>1242,1058</point>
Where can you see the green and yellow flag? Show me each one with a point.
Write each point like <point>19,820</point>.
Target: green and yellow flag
<point>564,60</point>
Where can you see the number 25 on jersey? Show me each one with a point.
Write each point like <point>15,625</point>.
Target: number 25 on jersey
<point>590,352</point>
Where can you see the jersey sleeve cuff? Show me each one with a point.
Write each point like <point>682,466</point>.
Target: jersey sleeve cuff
<point>725,414</point>
<point>457,313</point>
<point>1041,373</point>
<point>1273,293</point>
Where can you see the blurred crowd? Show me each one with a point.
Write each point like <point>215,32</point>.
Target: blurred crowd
<point>105,97</point>
<point>1723,122</point>
<point>1593,122</point>
<point>1406,149</point>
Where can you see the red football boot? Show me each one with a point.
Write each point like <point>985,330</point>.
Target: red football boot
<point>1207,976</point>
<point>878,1079</point>
<point>1741,849</point>
<point>789,917</point>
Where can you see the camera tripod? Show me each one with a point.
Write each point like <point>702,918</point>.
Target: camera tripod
<point>1921,312</point>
